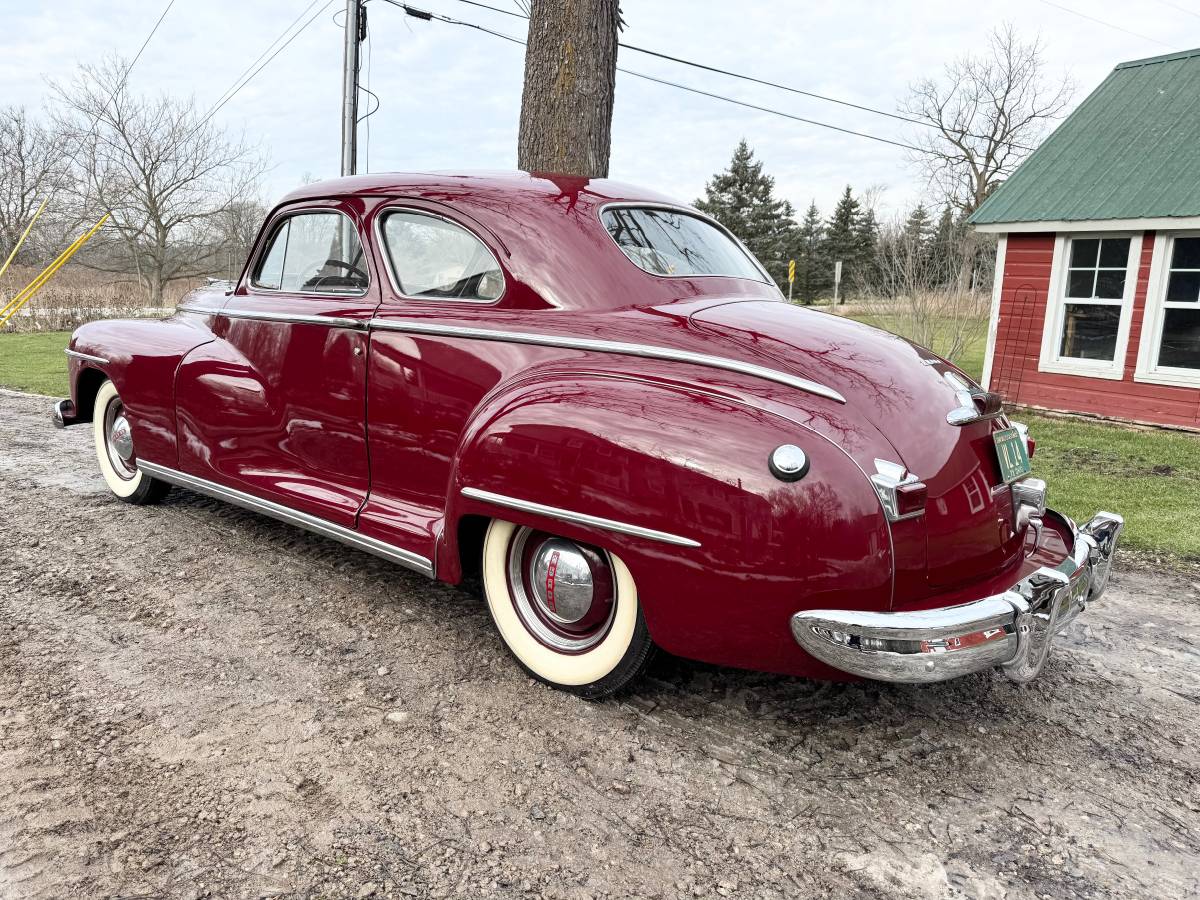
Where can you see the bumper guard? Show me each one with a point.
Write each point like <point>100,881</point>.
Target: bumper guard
<point>1013,630</point>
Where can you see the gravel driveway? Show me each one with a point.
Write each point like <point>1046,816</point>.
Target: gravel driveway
<point>198,701</point>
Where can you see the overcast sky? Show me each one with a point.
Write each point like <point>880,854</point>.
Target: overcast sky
<point>450,96</point>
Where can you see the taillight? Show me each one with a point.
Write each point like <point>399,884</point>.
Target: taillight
<point>901,493</point>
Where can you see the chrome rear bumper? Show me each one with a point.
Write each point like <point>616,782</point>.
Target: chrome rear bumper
<point>1013,630</point>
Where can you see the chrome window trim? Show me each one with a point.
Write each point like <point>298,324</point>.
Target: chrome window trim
<point>602,346</point>
<point>578,518</point>
<point>86,357</point>
<point>695,214</point>
<point>293,318</point>
<point>251,279</point>
<point>381,242</point>
<point>290,516</point>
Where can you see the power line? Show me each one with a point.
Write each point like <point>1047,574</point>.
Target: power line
<point>755,80</point>
<point>245,79</point>
<point>1182,9</point>
<point>423,14</point>
<point>1076,12</point>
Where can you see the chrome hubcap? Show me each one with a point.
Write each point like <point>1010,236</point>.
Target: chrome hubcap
<point>563,592</point>
<point>562,581</point>
<point>118,440</point>
<point>121,438</point>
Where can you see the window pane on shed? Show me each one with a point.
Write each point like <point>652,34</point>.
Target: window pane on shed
<point>1183,287</point>
<point>1114,252</point>
<point>1110,284</point>
<point>1083,251</point>
<point>1080,283</point>
<point>1090,332</point>
<point>1180,346</point>
<point>1186,254</point>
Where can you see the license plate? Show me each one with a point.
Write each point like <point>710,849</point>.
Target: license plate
<point>1012,454</point>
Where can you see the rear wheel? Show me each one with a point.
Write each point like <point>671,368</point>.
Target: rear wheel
<point>567,611</point>
<point>116,454</point>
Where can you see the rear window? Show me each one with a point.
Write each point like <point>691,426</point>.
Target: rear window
<point>666,242</point>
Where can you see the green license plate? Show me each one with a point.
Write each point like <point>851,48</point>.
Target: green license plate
<point>1012,454</point>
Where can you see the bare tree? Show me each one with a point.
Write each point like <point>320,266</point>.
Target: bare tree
<point>988,113</point>
<point>929,289</point>
<point>570,77</point>
<point>166,176</point>
<point>31,168</point>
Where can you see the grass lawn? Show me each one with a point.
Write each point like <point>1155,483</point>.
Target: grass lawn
<point>35,362</point>
<point>1150,477</point>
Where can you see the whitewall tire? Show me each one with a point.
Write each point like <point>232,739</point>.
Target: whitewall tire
<point>116,454</point>
<point>568,612</point>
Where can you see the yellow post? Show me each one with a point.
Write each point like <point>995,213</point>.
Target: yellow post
<point>21,239</point>
<point>25,294</point>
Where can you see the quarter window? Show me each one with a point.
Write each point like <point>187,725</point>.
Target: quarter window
<point>314,253</point>
<point>434,258</point>
<point>1094,298</point>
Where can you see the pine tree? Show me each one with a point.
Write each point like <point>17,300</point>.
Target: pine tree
<point>944,244</point>
<point>742,198</point>
<point>812,267</point>
<point>918,227</point>
<point>843,240</point>
<point>867,264</point>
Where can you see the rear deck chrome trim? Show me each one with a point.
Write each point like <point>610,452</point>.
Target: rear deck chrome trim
<point>578,518</point>
<point>648,351</point>
<point>87,357</point>
<point>290,516</point>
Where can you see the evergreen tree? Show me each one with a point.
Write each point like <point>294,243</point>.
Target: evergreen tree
<point>843,240</point>
<point>867,264</point>
<point>918,227</point>
<point>813,271</point>
<point>742,198</point>
<point>944,244</point>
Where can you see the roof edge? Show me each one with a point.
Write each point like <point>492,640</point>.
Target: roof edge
<point>1146,223</point>
<point>1151,60</point>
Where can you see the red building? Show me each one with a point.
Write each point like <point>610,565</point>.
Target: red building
<point>1096,305</point>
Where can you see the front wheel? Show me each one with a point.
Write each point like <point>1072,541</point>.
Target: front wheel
<point>567,611</point>
<point>116,454</point>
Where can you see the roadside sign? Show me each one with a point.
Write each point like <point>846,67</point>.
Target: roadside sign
<point>791,270</point>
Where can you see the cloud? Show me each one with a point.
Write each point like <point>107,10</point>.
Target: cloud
<point>450,96</point>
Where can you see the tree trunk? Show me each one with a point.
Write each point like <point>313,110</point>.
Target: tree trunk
<point>570,75</point>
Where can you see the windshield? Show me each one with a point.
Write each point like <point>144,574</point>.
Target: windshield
<point>667,242</point>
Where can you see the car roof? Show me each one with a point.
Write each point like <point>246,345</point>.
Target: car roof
<point>535,188</point>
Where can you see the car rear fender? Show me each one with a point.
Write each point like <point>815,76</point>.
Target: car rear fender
<point>689,466</point>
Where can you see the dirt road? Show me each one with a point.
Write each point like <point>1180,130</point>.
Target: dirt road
<point>197,701</point>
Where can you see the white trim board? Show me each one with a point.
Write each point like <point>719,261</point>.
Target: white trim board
<point>1162,223</point>
<point>994,317</point>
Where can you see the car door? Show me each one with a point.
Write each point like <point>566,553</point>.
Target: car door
<point>423,388</point>
<point>275,406</point>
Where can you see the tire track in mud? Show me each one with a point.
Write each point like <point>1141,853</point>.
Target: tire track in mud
<point>213,681</point>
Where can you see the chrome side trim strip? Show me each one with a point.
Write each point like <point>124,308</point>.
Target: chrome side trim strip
<point>87,357</point>
<point>262,316</point>
<point>291,516</point>
<point>602,346</point>
<point>577,518</point>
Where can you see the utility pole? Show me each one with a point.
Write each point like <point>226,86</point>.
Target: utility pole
<point>356,30</point>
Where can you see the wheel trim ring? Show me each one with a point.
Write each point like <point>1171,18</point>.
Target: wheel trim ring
<point>124,467</point>
<point>541,628</point>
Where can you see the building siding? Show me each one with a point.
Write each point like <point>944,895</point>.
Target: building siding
<point>1024,297</point>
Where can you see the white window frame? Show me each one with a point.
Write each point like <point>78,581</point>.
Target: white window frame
<point>1056,303</point>
<point>1148,370</point>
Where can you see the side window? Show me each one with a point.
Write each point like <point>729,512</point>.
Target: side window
<point>317,252</point>
<point>433,258</point>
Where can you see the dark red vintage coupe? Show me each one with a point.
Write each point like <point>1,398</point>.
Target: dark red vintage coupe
<point>598,400</point>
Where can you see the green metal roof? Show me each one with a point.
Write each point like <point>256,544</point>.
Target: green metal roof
<point>1131,150</point>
